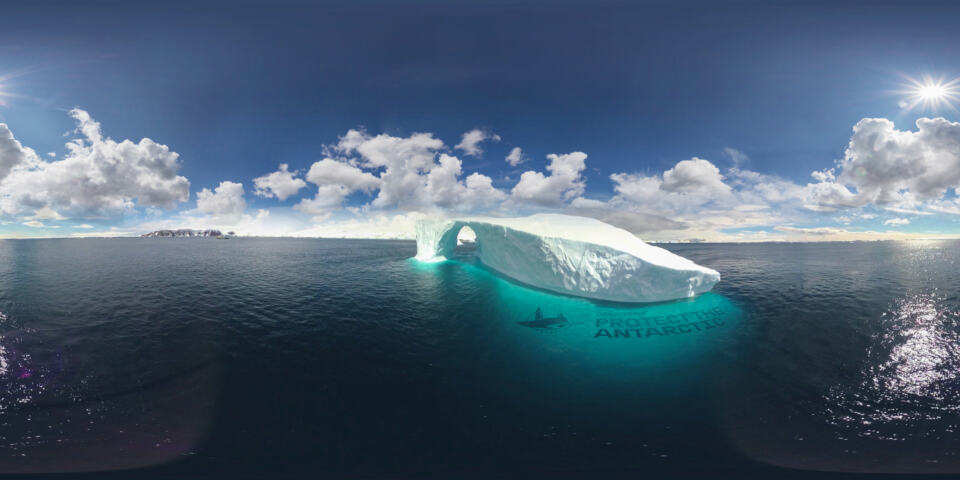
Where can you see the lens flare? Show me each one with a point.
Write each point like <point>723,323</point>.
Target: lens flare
<point>929,93</point>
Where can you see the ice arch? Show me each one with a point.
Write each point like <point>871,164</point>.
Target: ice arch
<point>571,255</point>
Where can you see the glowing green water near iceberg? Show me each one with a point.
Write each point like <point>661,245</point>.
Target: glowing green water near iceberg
<point>620,341</point>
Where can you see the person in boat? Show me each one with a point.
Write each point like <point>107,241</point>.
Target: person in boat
<point>539,321</point>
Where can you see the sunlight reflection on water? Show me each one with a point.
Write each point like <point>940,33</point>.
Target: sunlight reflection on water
<point>910,373</point>
<point>924,349</point>
<point>4,363</point>
<point>20,384</point>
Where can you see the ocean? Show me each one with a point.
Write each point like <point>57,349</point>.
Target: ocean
<point>317,357</point>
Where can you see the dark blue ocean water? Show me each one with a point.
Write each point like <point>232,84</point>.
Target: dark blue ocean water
<point>344,358</point>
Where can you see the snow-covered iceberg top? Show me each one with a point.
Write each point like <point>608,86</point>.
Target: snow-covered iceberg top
<point>572,255</point>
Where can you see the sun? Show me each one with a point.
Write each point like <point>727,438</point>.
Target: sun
<point>930,94</point>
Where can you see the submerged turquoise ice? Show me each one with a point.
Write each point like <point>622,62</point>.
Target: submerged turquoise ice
<point>553,329</point>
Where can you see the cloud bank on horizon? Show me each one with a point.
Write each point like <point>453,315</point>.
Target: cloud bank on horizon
<point>376,185</point>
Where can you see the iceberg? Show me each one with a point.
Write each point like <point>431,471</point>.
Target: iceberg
<point>570,255</point>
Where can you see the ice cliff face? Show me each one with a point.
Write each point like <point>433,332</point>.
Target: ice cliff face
<point>571,255</point>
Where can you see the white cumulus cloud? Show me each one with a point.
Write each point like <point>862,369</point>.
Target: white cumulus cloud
<point>226,200</point>
<point>414,174</point>
<point>281,184</point>
<point>899,170</point>
<point>689,184</point>
<point>694,199</point>
<point>470,141</point>
<point>694,176</point>
<point>46,213</point>
<point>564,182</point>
<point>331,172</point>
<point>98,175</point>
<point>12,153</point>
<point>515,157</point>
<point>404,161</point>
<point>335,180</point>
<point>880,160</point>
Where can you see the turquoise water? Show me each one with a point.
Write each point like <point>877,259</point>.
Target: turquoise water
<point>337,357</point>
<point>606,341</point>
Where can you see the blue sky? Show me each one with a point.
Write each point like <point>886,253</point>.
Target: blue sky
<point>753,97</point>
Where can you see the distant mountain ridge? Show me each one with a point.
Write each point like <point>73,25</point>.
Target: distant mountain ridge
<point>185,232</point>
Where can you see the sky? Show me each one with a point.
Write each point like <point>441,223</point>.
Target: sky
<point>716,121</point>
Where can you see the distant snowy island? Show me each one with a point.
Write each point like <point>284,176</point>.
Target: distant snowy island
<point>185,232</point>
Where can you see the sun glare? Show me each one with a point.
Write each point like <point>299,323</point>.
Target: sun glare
<point>930,94</point>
